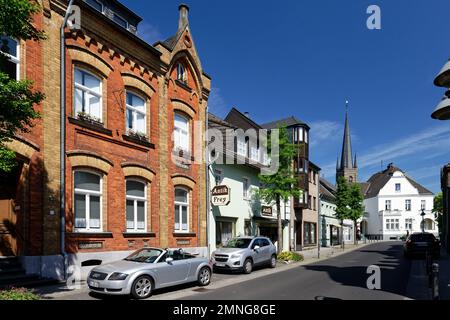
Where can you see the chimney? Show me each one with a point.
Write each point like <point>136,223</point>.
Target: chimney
<point>247,114</point>
<point>183,21</point>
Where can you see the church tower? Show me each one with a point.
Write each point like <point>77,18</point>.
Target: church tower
<point>347,167</point>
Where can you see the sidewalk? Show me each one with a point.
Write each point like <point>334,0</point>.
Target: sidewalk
<point>219,280</point>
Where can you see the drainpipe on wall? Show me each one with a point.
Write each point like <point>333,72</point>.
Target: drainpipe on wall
<point>208,249</point>
<point>63,137</point>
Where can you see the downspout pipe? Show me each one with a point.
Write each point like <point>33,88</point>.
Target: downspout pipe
<point>208,208</point>
<point>63,138</point>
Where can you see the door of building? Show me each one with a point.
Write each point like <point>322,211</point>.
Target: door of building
<point>8,216</point>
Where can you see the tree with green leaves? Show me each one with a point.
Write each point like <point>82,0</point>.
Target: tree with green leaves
<point>342,201</point>
<point>17,98</point>
<point>438,210</point>
<point>356,207</point>
<point>349,203</point>
<point>283,184</point>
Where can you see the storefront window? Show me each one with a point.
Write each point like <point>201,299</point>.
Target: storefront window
<point>309,233</point>
<point>224,232</point>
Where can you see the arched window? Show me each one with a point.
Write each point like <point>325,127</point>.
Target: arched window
<point>87,201</point>
<point>136,205</point>
<point>181,133</point>
<point>181,210</point>
<point>88,95</point>
<point>11,49</point>
<point>136,114</point>
<point>350,179</point>
<point>181,73</point>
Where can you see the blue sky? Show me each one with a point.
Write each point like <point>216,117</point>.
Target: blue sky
<point>304,58</point>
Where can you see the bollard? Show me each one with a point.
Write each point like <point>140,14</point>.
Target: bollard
<point>435,282</point>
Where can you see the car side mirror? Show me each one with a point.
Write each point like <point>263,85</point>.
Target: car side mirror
<point>256,248</point>
<point>169,260</point>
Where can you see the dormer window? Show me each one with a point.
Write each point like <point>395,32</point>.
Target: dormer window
<point>181,73</point>
<point>97,5</point>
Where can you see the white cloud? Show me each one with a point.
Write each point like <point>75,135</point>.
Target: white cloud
<point>149,33</point>
<point>426,144</point>
<point>324,130</point>
<point>216,103</point>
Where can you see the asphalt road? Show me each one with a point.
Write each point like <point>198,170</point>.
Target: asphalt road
<point>342,277</point>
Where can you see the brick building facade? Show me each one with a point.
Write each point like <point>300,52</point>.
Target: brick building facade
<point>135,115</point>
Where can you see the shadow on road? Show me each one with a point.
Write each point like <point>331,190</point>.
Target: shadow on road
<point>394,270</point>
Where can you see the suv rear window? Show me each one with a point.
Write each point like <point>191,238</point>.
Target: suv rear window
<point>422,237</point>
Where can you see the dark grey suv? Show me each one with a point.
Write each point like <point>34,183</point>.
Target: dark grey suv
<point>243,253</point>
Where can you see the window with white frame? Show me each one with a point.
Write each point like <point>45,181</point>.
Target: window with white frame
<point>181,73</point>
<point>88,96</point>
<point>408,205</point>
<point>306,136</point>
<point>11,49</point>
<point>136,205</point>
<point>387,205</point>
<point>241,146</point>
<point>408,224</point>
<point>245,187</point>
<point>300,134</point>
<point>398,187</point>
<point>422,205</point>
<point>136,113</point>
<point>181,133</point>
<point>392,224</point>
<point>181,210</point>
<point>87,201</point>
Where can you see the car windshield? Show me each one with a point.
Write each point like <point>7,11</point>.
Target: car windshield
<point>238,243</point>
<point>144,255</point>
<point>422,237</point>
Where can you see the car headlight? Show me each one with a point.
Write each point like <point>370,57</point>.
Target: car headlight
<point>235,256</point>
<point>118,276</point>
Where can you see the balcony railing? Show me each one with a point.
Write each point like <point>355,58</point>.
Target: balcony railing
<point>394,212</point>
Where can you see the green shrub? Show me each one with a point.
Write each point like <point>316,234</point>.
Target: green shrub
<point>18,294</point>
<point>290,256</point>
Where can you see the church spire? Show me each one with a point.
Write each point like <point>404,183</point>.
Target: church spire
<point>347,167</point>
<point>346,155</point>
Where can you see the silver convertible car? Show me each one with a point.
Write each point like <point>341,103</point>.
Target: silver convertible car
<point>148,269</point>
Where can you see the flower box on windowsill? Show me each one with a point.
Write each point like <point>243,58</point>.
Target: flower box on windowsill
<point>183,155</point>
<point>90,126</point>
<point>86,117</point>
<point>138,138</point>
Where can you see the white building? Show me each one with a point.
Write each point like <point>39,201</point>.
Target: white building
<point>243,213</point>
<point>393,205</point>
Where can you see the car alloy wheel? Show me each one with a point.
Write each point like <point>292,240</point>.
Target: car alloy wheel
<point>248,266</point>
<point>142,287</point>
<point>204,276</point>
<point>273,261</point>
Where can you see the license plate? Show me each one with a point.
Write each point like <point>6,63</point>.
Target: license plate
<point>220,264</point>
<point>94,284</point>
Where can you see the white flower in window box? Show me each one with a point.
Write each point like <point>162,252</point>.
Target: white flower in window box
<point>89,118</point>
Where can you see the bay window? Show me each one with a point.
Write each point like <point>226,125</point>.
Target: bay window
<point>241,146</point>
<point>181,210</point>
<point>88,96</point>
<point>87,201</point>
<point>136,205</point>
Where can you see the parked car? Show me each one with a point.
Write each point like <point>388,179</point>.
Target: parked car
<point>419,243</point>
<point>243,253</point>
<point>148,269</point>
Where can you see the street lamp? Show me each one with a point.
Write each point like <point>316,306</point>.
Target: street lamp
<point>423,220</point>
<point>442,111</point>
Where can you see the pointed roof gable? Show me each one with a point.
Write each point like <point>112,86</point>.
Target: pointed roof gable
<point>286,122</point>
<point>377,181</point>
<point>240,120</point>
